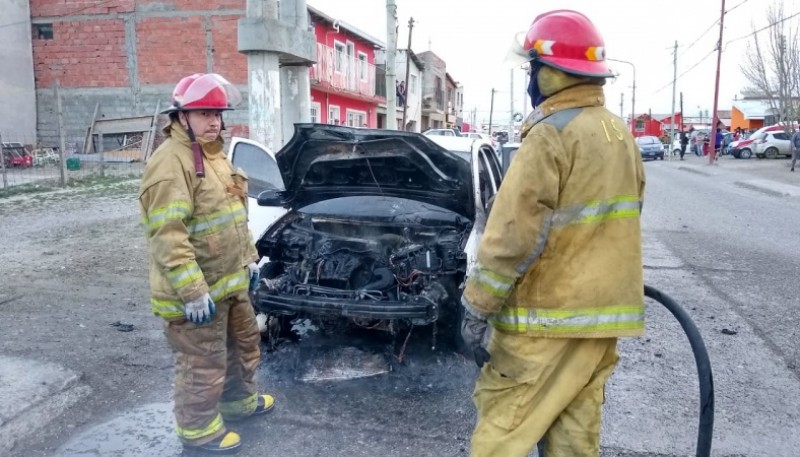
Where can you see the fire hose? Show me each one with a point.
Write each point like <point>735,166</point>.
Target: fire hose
<point>704,375</point>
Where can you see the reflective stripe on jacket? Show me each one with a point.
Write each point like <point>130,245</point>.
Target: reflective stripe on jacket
<point>196,227</point>
<point>561,255</point>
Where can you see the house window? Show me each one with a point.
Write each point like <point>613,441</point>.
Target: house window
<point>315,109</point>
<point>340,57</point>
<point>362,66</point>
<point>42,31</point>
<point>334,115</point>
<point>639,125</point>
<point>356,118</point>
<point>412,79</point>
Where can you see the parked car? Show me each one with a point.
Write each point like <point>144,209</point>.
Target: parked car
<point>16,155</point>
<point>377,228</point>
<point>507,152</point>
<point>743,149</point>
<point>650,147</point>
<point>482,136</point>
<point>442,132</point>
<point>772,144</point>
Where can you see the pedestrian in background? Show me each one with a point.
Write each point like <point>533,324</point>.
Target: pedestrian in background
<point>684,143</point>
<point>202,261</point>
<point>559,270</point>
<point>795,148</point>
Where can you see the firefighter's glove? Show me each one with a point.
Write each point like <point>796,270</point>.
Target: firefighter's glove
<point>200,309</point>
<point>473,332</point>
<point>254,274</point>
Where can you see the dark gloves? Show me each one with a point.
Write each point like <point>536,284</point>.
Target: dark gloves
<point>473,332</point>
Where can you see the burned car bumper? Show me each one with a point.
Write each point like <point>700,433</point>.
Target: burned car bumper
<point>417,309</point>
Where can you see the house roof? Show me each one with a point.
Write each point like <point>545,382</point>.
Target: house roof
<point>450,78</point>
<point>753,109</point>
<point>414,57</point>
<point>352,29</point>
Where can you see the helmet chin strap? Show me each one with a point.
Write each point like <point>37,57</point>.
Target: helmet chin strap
<point>197,151</point>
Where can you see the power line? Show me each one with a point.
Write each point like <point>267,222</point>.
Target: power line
<point>710,27</point>
<point>762,29</point>
<point>687,71</point>
<point>97,5</point>
<point>737,5</point>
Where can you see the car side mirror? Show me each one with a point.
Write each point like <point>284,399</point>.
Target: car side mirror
<point>271,197</point>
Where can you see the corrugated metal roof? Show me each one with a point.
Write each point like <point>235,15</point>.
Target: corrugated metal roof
<point>753,109</point>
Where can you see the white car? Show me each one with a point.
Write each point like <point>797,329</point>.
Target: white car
<point>772,144</point>
<point>442,132</point>
<point>370,228</point>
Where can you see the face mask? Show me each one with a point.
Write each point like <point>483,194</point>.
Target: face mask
<point>533,86</point>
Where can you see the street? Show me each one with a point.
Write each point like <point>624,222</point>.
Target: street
<point>722,240</point>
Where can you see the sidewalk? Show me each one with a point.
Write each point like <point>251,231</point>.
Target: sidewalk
<point>32,394</point>
<point>770,176</point>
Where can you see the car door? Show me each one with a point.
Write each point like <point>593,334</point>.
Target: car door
<point>486,178</point>
<point>783,142</point>
<point>263,174</point>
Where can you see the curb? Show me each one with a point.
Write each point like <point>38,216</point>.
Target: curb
<point>33,394</point>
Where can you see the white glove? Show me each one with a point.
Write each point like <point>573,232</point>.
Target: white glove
<point>254,274</point>
<point>200,309</point>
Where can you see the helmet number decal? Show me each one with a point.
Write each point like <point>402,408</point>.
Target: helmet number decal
<point>617,131</point>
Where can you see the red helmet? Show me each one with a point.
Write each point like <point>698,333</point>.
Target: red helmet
<point>200,91</point>
<point>565,40</point>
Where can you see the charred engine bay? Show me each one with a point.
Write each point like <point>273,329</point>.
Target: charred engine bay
<point>379,274</point>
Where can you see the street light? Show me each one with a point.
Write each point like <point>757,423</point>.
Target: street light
<point>633,96</point>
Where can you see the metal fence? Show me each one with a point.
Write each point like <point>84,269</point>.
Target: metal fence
<point>23,162</point>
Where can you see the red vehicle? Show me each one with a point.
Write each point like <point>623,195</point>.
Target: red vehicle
<point>16,155</point>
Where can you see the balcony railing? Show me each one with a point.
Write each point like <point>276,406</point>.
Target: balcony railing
<point>343,73</point>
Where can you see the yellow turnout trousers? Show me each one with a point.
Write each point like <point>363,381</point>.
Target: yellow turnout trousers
<point>215,369</point>
<point>534,388</point>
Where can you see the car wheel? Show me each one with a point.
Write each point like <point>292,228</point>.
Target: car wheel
<point>771,153</point>
<point>661,157</point>
<point>676,152</point>
<point>745,154</point>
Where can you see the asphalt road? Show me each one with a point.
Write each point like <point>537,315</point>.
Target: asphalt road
<point>722,240</point>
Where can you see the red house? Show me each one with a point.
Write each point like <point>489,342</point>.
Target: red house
<point>343,81</point>
<point>656,124</point>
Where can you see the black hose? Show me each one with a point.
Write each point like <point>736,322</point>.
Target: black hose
<point>705,429</point>
<point>704,375</point>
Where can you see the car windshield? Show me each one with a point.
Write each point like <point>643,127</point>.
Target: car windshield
<point>647,140</point>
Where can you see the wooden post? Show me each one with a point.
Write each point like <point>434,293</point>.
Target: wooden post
<point>3,162</point>
<point>89,143</point>
<point>101,150</point>
<point>151,136</point>
<point>62,150</point>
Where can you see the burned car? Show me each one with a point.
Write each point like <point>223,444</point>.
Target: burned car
<point>377,228</point>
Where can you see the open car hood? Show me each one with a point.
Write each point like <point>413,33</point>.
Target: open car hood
<point>322,161</point>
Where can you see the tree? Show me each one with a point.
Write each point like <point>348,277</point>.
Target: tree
<point>772,65</point>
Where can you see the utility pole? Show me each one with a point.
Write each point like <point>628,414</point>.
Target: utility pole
<point>391,56</point>
<point>621,105</point>
<point>408,70</point>
<point>491,112</point>
<point>62,140</point>
<point>674,81</point>
<point>3,163</point>
<point>714,114</point>
<point>682,118</point>
<point>295,83</point>
<point>263,80</point>
<point>525,101</point>
<point>511,136</point>
<point>270,43</point>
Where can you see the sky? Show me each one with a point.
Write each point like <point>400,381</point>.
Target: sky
<point>473,37</point>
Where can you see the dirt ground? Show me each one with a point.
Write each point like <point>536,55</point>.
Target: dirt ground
<point>73,262</point>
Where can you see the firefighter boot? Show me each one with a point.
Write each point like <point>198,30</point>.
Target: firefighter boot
<point>265,404</point>
<point>229,443</point>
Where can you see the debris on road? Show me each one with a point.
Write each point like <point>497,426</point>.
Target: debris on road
<point>725,331</point>
<point>122,327</point>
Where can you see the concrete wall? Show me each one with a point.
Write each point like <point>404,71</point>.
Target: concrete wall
<point>17,91</point>
<point>127,55</point>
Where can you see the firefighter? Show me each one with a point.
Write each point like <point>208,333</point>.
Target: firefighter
<point>201,255</point>
<point>558,276</point>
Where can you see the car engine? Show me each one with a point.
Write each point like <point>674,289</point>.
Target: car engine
<point>372,272</point>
